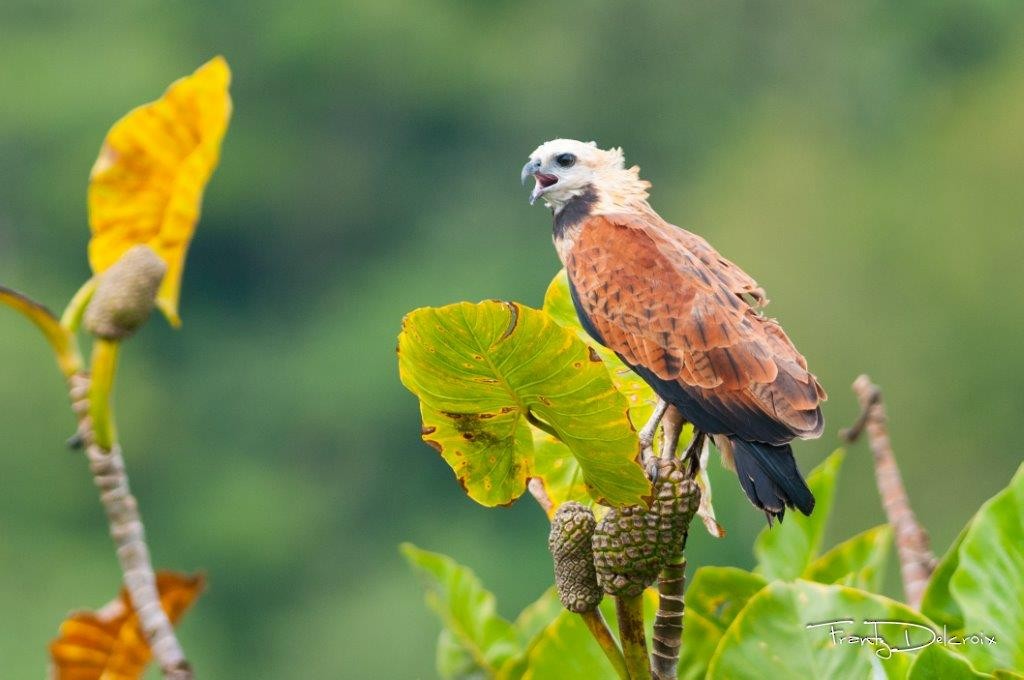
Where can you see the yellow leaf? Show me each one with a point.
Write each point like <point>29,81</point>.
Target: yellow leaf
<point>147,183</point>
<point>108,644</point>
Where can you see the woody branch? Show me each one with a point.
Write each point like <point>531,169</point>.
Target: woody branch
<point>126,529</point>
<point>917,562</point>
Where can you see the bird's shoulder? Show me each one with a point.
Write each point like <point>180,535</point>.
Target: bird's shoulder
<point>667,255</point>
<point>664,299</point>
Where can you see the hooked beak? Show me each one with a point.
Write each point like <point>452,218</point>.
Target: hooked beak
<point>532,169</point>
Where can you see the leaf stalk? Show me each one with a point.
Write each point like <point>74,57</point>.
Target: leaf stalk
<point>630,612</point>
<point>598,627</point>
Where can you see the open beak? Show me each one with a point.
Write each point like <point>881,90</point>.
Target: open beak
<point>543,180</point>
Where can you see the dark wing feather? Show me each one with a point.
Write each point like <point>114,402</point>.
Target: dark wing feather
<point>672,308</point>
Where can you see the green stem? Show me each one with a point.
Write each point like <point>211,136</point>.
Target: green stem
<point>71,319</point>
<point>599,629</point>
<point>104,368</point>
<point>630,611</point>
<point>63,342</point>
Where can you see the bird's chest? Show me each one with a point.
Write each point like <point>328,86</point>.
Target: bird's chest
<point>565,243</point>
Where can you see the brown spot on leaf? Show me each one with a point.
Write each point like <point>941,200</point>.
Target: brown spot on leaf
<point>513,320</point>
<point>428,429</point>
<point>471,428</point>
<point>594,356</point>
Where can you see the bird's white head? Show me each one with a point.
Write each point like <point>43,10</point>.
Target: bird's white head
<point>564,169</point>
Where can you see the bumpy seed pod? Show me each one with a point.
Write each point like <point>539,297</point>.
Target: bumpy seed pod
<point>632,545</point>
<point>570,544</point>
<point>125,294</point>
<point>675,502</point>
<point>626,550</point>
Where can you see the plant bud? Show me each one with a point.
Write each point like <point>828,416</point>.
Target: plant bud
<point>570,544</point>
<point>125,294</point>
<point>633,544</point>
<point>626,551</point>
<point>675,502</point>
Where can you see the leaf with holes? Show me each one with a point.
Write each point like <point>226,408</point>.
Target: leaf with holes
<point>484,372</point>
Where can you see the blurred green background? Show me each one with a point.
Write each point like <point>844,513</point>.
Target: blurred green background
<point>862,160</point>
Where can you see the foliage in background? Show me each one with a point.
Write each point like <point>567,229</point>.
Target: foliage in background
<point>741,624</point>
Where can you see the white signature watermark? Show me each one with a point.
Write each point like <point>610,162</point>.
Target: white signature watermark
<point>908,636</point>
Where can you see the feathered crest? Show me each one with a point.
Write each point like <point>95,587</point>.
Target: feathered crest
<point>619,187</point>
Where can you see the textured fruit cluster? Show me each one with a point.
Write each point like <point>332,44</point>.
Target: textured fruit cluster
<point>569,542</point>
<point>624,552</point>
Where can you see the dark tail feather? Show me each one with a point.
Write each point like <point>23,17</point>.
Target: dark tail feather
<point>770,478</point>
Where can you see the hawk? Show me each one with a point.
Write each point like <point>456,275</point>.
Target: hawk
<point>684,318</point>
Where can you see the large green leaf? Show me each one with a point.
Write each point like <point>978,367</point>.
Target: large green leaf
<point>483,370</point>
<point>935,662</point>
<point>530,624</point>
<point>714,598</point>
<point>700,640</point>
<point>538,614</point>
<point>938,604</point>
<point>859,561</point>
<point>566,649</point>
<point>720,593</point>
<point>785,550</point>
<point>477,638</point>
<point>454,661</point>
<point>988,584</point>
<point>558,470</point>
<point>770,638</point>
<point>641,398</point>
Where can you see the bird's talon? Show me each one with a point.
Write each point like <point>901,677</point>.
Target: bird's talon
<point>651,468</point>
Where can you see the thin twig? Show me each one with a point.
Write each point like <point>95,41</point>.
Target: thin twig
<point>122,510</point>
<point>630,611</point>
<point>540,494</point>
<point>917,562</point>
<point>872,396</point>
<point>598,627</point>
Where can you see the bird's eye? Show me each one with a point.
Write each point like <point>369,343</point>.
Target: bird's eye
<point>565,160</point>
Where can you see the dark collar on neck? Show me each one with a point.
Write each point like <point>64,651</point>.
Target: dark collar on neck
<point>575,210</point>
